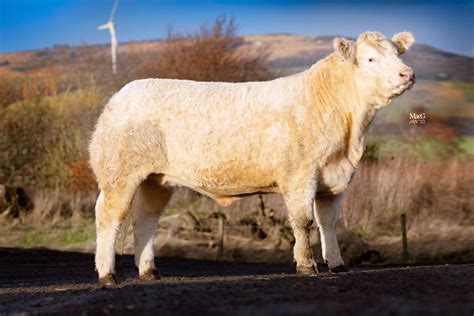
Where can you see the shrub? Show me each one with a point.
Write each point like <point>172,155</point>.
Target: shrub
<point>8,92</point>
<point>214,54</point>
<point>44,144</point>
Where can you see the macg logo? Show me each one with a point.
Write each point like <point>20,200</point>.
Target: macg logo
<point>417,118</point>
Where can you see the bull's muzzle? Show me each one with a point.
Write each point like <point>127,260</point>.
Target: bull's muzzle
<point>408,76</point>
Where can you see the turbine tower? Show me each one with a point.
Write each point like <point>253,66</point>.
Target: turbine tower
<point>113,38</point>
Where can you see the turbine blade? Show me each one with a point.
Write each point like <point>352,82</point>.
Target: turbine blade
<point>104,26</point>
<point>114,9</point>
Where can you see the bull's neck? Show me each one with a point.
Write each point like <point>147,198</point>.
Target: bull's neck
<point>337,92</point>
<point>362,117</point>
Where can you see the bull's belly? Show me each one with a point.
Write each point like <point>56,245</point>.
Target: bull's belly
<point>223,189</point>
<point>230,189</point>
<point>230,169</point>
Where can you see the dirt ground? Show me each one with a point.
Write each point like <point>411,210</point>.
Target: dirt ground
<point>41,281</point>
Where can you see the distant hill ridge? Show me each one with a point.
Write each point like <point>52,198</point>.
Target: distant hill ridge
<point>287,54</point>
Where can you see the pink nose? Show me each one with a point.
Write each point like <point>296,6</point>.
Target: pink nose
<point>407,75</point>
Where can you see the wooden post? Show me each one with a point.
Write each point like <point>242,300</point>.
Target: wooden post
<point>261,206</point>
<point>220,237</point>
<point>403,225</point>
<point>194,219</point>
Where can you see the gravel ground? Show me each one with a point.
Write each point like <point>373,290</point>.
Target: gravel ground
<point>41,281</point>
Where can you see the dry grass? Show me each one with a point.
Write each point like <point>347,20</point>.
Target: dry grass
<point>58,205</point>
<point>421,188</point>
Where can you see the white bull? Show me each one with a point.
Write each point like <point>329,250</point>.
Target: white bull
<point>301,136</point>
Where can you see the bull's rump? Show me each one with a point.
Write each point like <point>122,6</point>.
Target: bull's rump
<point>225,138</point>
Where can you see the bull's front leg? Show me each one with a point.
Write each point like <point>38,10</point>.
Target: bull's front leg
<point>327,213</point>
<point>299,201</point>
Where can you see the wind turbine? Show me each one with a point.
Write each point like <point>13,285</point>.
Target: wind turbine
<point>113,38</point>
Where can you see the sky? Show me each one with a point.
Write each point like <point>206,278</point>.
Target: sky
<point>33,24</point>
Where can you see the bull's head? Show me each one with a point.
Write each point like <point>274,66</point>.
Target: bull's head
<point>379,72</point>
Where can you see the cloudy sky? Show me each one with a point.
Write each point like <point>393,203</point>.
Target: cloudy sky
<point>31,24</point>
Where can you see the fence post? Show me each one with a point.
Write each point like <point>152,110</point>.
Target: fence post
<point>261,206</point>
<point>403,225</point>
<point>220,237</point>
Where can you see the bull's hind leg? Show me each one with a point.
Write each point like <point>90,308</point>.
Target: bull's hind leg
<point>300,213</point>
<point>149,201</point>
<point>111,208</point>
<point>327,213</point>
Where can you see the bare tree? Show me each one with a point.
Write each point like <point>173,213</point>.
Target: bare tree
<point>215,53</point>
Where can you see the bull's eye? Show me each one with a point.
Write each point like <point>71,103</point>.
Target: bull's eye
<point>371,60</point>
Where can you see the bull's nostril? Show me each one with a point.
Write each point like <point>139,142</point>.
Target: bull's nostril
<point>408,74</point>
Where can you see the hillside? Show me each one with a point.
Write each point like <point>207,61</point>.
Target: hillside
<point>287,54</point>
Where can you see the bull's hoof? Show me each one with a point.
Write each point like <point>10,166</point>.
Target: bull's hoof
<point>338,269</point>
<point>107,281</point>
<point>306,270</point>
<point>150,275</point>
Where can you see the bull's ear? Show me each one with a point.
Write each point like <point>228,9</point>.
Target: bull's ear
<point>345,48</point>
<point>403,41</point>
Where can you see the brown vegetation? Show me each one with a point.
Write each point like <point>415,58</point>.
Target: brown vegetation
<point>384,189</point>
